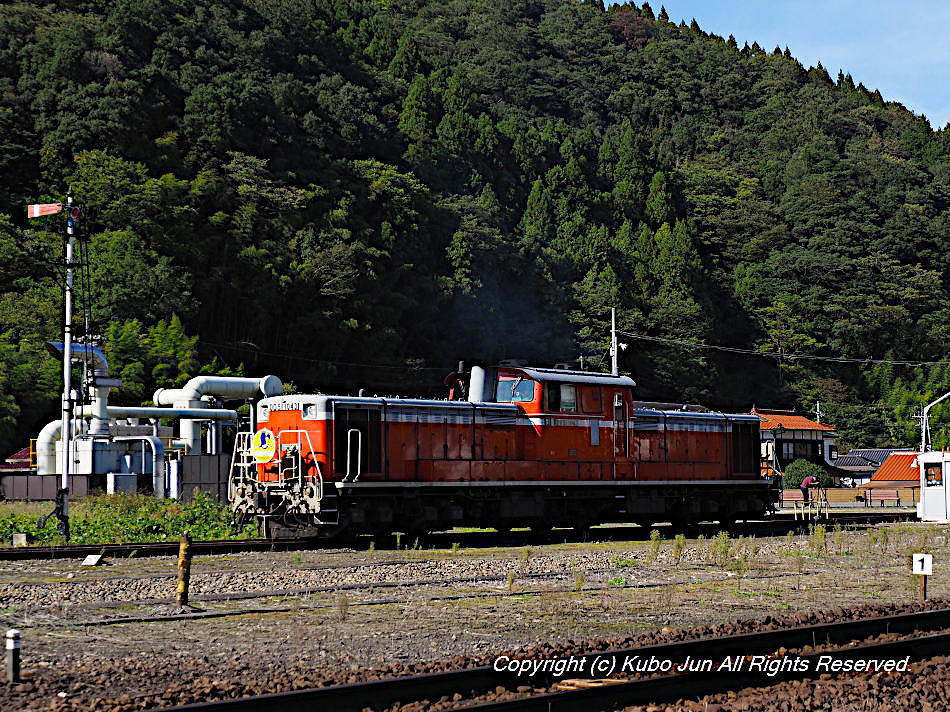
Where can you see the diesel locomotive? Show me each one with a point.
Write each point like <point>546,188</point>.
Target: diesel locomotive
<point>512,446</point>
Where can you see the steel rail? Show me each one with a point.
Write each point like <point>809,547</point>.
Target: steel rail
<point>687,685</point>
<point>778,523</point>
<point>169,548</point>
<point>472,682</point>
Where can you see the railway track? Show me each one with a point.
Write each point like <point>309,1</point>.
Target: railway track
<point>486,690</point>
<point>779,524</point>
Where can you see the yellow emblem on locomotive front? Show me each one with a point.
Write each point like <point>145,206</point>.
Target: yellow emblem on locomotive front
<point>264,446</point>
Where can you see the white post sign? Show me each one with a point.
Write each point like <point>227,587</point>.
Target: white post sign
<point>923,564</point>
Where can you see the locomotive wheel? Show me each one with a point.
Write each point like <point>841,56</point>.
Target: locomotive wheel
<point>682,523</point>
<point>728,522</point>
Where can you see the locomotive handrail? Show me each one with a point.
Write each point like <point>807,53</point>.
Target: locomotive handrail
<point>240,461</point>
<point>298,455</point>
<point>359,453</point>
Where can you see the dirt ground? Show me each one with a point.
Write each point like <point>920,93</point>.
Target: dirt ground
<point>274,621</point>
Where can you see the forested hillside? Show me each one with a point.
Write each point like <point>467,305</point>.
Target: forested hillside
<point>356,193</point>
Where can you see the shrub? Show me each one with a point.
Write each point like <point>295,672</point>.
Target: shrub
<point>121,518</point>
<point>798,470</point>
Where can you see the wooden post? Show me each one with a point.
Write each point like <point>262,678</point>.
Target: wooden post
<point>184,568</point>
<point>923,587</point>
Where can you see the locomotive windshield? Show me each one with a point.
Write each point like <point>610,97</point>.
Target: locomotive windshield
<point>515,390</point>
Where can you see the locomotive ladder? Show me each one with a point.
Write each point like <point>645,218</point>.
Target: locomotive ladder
<point>291,470</point>
<point>241,463</point>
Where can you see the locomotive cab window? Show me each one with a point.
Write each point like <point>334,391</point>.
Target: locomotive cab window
<point>591,401</point>
<point>515,390</point>
<point>562,397</point>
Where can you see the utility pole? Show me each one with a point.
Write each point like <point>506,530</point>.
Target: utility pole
<point>614,367</point>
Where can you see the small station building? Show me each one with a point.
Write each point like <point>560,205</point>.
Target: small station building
<point>934,469</point>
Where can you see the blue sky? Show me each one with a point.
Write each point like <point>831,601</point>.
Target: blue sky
<point>900,47</point>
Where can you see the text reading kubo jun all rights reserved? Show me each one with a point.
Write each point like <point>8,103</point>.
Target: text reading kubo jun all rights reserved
<point>607,665</point>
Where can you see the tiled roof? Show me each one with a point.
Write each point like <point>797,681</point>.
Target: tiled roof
<point>857,462</point>
<point>899,466</point>
<point>788,420</point>
<point>19,460</point>
<point>877,455</point>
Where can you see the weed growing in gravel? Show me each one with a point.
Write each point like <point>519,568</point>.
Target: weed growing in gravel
<point>455,547</point>
<point>742,558</point>
<point>617,581</point>
<point>666,603</point>
<point>818,539</point>
<point>342,606</point>
<point>579,580</point>
<point>298,558</point>
<point>701,547</point>
<point>398,540</point>
<point>884,538</point>
<point>838,535</point>
<point>799,569</point>
<point>720,547</point>
<point>621,562</point>
<point>372,546</point>
<point>655,541</point>
<point>679,547</point>
<point>511,581</point>
<point>526,555</point>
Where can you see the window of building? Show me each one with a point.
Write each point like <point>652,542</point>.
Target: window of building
<point>934,474</point>
<point>515,390</point>
<point>796,450</point>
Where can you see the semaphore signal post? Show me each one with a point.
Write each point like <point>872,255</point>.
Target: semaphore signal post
<point>73,214</point>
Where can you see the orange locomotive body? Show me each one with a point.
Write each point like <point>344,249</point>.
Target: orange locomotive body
<point>527,447</point>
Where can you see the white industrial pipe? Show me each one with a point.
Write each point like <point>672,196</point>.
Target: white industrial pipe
<point>193,392</point>
<point>158,460</point>
<point>225,386</point>
<point>46,463</point>
<point>46,441</point>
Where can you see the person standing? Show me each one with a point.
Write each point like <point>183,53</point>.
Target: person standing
<point>809,481</point>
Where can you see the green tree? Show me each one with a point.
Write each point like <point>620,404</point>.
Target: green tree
<point>798,470</point>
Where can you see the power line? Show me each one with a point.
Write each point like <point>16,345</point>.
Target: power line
<point>305,359</point>
<point>778,354</point>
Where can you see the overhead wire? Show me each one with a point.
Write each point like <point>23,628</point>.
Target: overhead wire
<point>779,354</point>
<point>274,354</point>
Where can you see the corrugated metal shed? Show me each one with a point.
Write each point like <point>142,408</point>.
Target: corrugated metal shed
<point>898,467</point>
